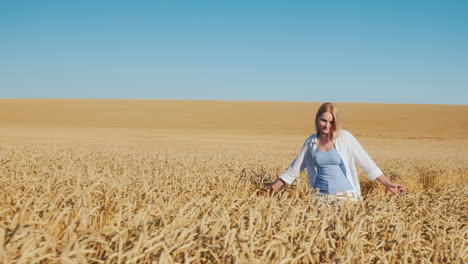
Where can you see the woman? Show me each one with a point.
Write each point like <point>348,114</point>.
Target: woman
<point>329,157</point>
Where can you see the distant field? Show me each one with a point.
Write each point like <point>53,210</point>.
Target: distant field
<point>375,120</point>
<point>153,181</point>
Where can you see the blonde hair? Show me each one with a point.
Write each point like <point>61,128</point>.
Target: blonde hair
<point>336,125</point>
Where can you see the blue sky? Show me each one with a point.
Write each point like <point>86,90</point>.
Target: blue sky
<point>341,51</point>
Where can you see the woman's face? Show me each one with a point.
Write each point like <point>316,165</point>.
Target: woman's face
<point>325,123</point>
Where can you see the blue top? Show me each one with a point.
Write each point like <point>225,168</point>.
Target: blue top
<point>331,176</point>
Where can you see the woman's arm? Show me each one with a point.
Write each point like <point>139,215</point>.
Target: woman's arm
<point>371,169</point>
<point>363,159</point>
<point>293,170</point>
<point>391,186</point>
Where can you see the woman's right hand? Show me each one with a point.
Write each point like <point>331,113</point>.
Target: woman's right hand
<point>274,187</point>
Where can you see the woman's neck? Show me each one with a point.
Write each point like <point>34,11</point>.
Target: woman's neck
<point>325,137</point>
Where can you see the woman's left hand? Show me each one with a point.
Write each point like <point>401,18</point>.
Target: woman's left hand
<point>396,188</point>
<point>391,186</point>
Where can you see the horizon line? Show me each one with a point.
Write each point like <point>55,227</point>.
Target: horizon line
<point>215,100</point>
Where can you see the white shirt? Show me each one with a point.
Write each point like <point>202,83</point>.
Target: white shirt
<point>349,150</point>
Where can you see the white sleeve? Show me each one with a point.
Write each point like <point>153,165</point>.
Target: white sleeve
<point>364,160</point>
<point>297,166</point>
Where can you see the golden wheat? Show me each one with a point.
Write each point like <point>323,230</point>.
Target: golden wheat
<point>151,181</point>
<point>201,200</point>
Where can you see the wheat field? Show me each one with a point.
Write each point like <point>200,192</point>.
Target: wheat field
<point>149,181</point>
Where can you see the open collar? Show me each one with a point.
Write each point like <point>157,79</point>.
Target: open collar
<point>314,139</point>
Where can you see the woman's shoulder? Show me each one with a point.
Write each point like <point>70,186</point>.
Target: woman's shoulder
<point>345,135</point>
<point>310,139</point>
